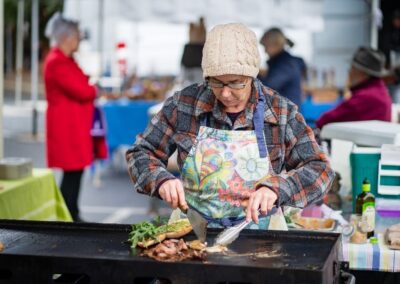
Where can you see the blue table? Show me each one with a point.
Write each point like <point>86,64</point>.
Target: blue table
<point>125,119</point>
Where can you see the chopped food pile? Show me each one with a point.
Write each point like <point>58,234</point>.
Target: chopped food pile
<point>173,250</point>
<point>146,233</point>
<point>163,241</point>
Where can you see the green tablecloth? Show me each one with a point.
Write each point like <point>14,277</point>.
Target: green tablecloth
<point>33,198</point>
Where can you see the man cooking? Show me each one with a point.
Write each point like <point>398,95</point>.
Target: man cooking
<point>242,148</point>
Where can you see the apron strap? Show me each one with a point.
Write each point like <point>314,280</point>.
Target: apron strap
<point>258,121</point>
<point>205,121</point>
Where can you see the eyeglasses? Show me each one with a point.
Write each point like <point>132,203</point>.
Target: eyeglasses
<point>220,85</point>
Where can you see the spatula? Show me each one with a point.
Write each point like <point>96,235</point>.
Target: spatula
<point>228,236</point>
<point>199,224</point>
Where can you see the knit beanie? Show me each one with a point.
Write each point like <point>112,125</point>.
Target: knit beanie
<point>230,49</point>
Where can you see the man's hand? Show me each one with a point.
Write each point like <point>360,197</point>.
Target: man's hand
<point>263,199</point>
<point>172,192</point>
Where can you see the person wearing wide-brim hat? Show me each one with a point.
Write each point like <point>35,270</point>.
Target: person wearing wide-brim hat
<point>240,144</point>
<point>370,99</point>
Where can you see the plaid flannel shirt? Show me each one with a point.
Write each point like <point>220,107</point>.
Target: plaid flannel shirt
<point>302,173</point>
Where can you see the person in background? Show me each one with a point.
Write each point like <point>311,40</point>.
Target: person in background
<point>285,72</point>
<point>370,99</point>
<point>192,54</point>
<point>70,110</point>
<point>240,144</point>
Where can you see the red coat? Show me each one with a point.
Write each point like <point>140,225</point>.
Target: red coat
<point>369,101</point>
<point>69,115</point>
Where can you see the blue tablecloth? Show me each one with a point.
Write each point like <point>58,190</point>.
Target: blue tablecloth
<point>312,110</point>
<point>124,120</point>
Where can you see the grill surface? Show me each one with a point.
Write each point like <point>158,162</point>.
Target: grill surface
<point>100,251</point>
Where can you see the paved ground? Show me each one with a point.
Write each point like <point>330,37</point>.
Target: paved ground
<point>108,199</point>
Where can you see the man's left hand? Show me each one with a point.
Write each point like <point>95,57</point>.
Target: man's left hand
<point>263,199</point>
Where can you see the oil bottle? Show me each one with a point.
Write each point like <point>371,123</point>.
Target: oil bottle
<point>365,207</point>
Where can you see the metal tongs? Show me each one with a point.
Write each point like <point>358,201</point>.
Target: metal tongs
<point>229,235</point>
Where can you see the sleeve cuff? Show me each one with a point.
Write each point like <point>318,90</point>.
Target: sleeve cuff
<point>274,183</point>
<point>155,193</point>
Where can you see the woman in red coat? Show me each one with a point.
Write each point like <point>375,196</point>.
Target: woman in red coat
<point>70,108</point>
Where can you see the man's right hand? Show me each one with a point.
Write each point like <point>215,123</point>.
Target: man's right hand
<point>173,193</point>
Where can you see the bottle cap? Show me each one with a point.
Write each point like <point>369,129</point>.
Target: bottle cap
<point>366,186</point>
<point>373,240</point>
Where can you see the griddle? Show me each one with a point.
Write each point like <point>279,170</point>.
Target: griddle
<point>35,251</point>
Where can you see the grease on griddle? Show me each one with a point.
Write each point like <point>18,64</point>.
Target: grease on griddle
<point>313,266</point>
<point>257,254</point>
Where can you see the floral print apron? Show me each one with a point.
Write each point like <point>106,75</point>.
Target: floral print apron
<point>223,168</point>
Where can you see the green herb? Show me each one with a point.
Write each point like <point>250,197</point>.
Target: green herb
<point>143,231</point>
<point>146,230</point>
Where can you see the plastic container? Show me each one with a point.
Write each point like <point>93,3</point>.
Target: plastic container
<point>364,162</point>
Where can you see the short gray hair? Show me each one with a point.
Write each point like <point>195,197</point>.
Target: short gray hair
<point>58,28</point>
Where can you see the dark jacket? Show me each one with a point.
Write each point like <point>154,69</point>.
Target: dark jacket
<point>284,76</point>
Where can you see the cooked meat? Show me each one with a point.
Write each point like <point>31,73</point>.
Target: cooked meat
<point>182,245</point>
<point>173,250</point>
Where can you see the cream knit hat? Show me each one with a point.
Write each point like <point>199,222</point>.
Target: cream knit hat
<point>230,49</point>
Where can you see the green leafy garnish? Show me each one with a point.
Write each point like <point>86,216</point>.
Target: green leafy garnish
<point>143,231</point>
<point>146,230</point>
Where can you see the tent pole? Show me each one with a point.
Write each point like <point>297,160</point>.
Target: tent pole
<point>1,76</point>
<point>34,64</point>
<point>100,34</point>
<point>20,53</point>
<point>374,24</point>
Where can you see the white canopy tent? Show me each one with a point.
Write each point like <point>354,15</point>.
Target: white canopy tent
<point>156,48</point>
<point>301,14</point>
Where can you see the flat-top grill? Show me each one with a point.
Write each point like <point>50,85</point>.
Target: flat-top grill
<point>34,251</point>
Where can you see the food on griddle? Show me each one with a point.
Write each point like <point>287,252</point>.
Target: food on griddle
<point>142,233</point>
<point>151,241</point>
<point>146,233</point>
<point>177,229</point>
<point>216,249</point>
<point>197,245</point>
<point>173,250</point>
<point>1,247</point>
